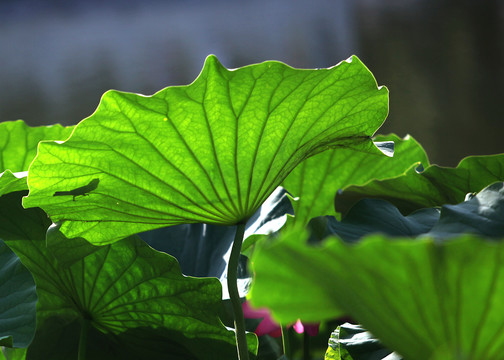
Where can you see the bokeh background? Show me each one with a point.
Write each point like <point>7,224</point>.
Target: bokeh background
<point>442,60</point>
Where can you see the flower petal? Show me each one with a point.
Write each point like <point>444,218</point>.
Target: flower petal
<point>312,329</point>
<point>298,327</point>
<point>268,326</point>
<point>250,313</point>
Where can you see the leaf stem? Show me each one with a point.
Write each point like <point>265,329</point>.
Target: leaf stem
<point>286,342</point>
<point>85,323</point>
<point>232,282</point>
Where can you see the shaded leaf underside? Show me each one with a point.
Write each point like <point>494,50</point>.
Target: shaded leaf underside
<point>352,342</point>
<point>17,300</point>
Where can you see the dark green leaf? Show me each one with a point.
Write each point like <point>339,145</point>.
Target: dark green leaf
<point>203,250</point>
<point>435,186</point>
<point>17,300</point>
<point>352,342</point>
<point>213,242</point>
<point>57,341</point>
<point>316,180</point>
<point>372,215</point>
<point>126,290</point>
<point>482,214</point>
<point>209,152</point>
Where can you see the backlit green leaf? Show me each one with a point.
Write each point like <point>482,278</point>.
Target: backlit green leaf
<point>209,152</point>
<point>12,353</point>
<point>317,179</point>
<point>18,142</point>
<point>18,147</point>
<point>11,182</point>
<point>418,297</point>
<point>436,297</point>
<point>127,291</point>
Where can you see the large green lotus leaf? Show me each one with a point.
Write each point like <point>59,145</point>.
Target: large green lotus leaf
<point>209,152</point>
<point>317,179</point>
<point>422,298</point>
<point>443,290</point>
<point>18,142</point>
<point>434,186</point>
<point>18,300</point>
<point>11,182</point>
<point>483,215</point>
<point>352,342</point>
<point>125,291</point>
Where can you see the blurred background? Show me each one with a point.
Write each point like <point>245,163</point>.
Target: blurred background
<point>442,60</point>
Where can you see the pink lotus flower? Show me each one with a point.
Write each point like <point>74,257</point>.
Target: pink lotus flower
<point>270,327</point>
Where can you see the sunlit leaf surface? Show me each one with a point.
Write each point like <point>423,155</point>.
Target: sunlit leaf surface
<point>18,147</point>
<point>10,182</point>
<point>18,142</point>
<point>209,152</point>
<point>317,179</point>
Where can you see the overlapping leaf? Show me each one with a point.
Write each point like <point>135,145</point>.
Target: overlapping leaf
<point>317,179</point>
<point>352,342</point>
<point>208,152</point>
<point>424,298</point>
<point>18,147</point>
<point>373,215</point>
<point>18,142</point>
<point>434,186</point>
<point>481,214</point>
<point>11,182</point>
<point>203,250</point>
<point>127,291</point>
